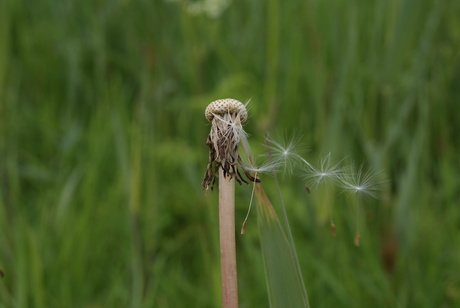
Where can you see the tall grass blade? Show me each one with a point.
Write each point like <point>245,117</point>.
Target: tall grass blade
<point>283,275</point>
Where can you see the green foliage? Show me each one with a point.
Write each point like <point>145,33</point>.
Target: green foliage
<point>102,148</point>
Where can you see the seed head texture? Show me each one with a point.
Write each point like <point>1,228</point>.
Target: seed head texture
<point>224,106</point>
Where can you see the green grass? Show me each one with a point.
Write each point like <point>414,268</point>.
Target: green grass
<point>102,149</point>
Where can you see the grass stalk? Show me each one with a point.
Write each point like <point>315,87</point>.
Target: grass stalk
<point>227,241</point>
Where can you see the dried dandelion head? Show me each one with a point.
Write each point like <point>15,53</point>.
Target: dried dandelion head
<point>226,117</point>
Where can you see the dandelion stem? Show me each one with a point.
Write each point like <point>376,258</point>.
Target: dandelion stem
<point>227,240</point>
<point>226,117</point>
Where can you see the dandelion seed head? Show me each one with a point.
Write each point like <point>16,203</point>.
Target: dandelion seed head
<point>264,167</point>
<point>325,170</point>
<point>284,153</point>
<point>360,182</point>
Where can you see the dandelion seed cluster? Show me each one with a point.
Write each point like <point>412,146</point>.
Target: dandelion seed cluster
<point>360,181</point>
<point>354,181</point>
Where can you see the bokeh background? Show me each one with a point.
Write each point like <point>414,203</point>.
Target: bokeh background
<point>102,148</point>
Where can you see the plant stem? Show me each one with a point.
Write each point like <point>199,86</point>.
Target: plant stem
<point>227,241</point>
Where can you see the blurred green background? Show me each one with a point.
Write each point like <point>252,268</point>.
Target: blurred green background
<point>102,148</point>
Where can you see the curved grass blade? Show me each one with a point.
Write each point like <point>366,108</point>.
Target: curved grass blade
<point>283,275</point>
<point>284,278</point>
